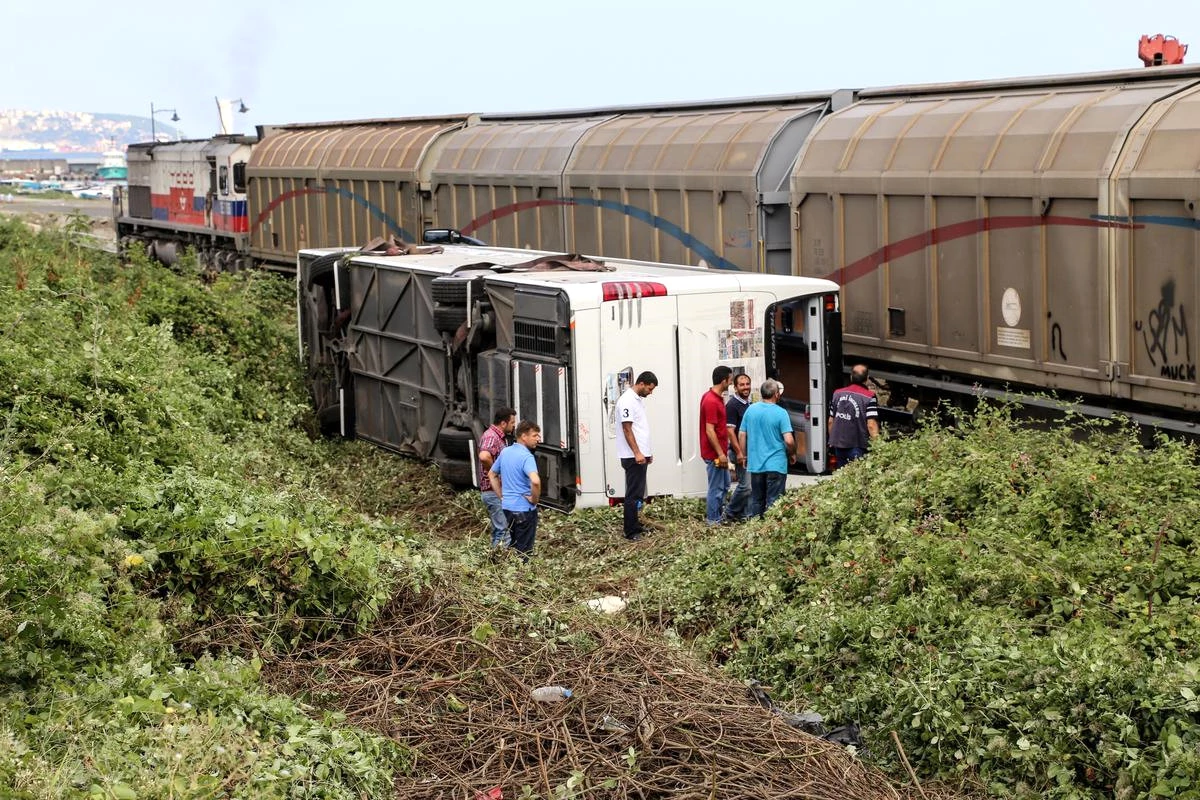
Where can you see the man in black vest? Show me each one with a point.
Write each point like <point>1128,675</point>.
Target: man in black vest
<point>853,418</point>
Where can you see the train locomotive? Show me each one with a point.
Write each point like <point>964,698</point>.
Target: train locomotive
<point>1027,233</point>
<point>188,194</point>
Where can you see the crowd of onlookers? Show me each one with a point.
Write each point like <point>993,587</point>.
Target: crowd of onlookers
<point>746,445</point>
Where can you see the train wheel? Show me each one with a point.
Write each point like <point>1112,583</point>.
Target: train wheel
<point>207,261</point>
<point>165,251</point>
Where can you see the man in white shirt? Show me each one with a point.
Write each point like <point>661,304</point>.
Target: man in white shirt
<point>633,448</point>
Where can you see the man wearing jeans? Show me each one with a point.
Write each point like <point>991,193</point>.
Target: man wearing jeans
<point>735,409</point>
<point>519,486</point>
<point>490,445</point>
<point>714,443</point>
<point>769,446</point>
<point>633,448</point>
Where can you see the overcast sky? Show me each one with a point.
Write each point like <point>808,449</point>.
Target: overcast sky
<point>306,60</point>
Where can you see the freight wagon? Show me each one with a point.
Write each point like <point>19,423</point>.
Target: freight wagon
<point>341,184</point>
<point>416,353</point>
<point>685,183</point>
<point>1035,232</point>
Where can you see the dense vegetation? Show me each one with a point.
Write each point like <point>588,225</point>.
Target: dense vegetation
<point>1020,606</point>
<point>154,479</point>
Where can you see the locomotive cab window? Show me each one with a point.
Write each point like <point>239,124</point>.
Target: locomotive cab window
<point>239,177</point>
<point>223,180</point>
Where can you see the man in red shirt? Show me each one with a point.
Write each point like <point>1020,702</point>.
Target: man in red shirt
<point>714,443</point>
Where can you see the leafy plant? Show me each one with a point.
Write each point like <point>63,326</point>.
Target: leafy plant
<point>1019,605</point>
<point>153,484</point>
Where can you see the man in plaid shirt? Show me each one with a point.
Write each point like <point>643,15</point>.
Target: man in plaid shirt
<point>490,445</point>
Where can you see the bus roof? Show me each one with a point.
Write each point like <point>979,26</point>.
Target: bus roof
<point>676,278</point>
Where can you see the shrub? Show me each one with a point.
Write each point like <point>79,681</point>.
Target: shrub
<point>152,480</point>
<point>1019,605</point>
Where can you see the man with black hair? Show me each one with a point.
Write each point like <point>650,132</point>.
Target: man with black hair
<point>853,418</point>
<point>634,449</point>
<point>714,443</point>
<point>515,476</point>
<point>490,445</point>
<point>735,409</point>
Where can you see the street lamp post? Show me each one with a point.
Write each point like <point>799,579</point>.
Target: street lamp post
<point>153,111</point>
<point>225,112</point>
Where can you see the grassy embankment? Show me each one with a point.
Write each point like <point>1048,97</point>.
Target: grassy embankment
<point>1018,607</point>
<point>153,480</point>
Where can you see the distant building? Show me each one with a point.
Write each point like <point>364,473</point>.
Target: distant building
<point>33,167</point>
<point>86,166</point>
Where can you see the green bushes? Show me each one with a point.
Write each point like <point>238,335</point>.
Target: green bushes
<point>1019,606</point>
<point>150,443</point>
<point>205,731</point>
<point>225,550</point>
<point>68,603</point>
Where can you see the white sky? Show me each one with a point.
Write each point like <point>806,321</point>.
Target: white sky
<point>305,60</point>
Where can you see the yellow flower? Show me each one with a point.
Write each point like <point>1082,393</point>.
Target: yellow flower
<point>134,560</point>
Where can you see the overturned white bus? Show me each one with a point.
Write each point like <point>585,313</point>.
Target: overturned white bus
<point>416,353</point>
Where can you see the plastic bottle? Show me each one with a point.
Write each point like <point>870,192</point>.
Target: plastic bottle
<point>550,694</point>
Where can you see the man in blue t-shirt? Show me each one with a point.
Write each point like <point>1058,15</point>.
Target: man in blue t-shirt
<point>767,440</point>
<point>515,479</point>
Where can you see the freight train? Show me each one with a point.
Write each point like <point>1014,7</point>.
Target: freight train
<point>1021,233</point>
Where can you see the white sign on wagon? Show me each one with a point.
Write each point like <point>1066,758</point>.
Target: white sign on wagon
<point>1012,337</point>
<point>1010,307</point>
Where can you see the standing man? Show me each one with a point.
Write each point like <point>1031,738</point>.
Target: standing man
<point>734,409</point>
<point>490,445</point>
<point>853,418</point>
<point>515,476</point>
<point>767,440</point>
<point>633,448</point>
<point>714,443</point>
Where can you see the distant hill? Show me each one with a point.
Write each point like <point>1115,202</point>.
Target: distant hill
<point>74,131</point>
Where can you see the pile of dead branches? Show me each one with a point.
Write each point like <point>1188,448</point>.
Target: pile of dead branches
<point>644,721</point>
